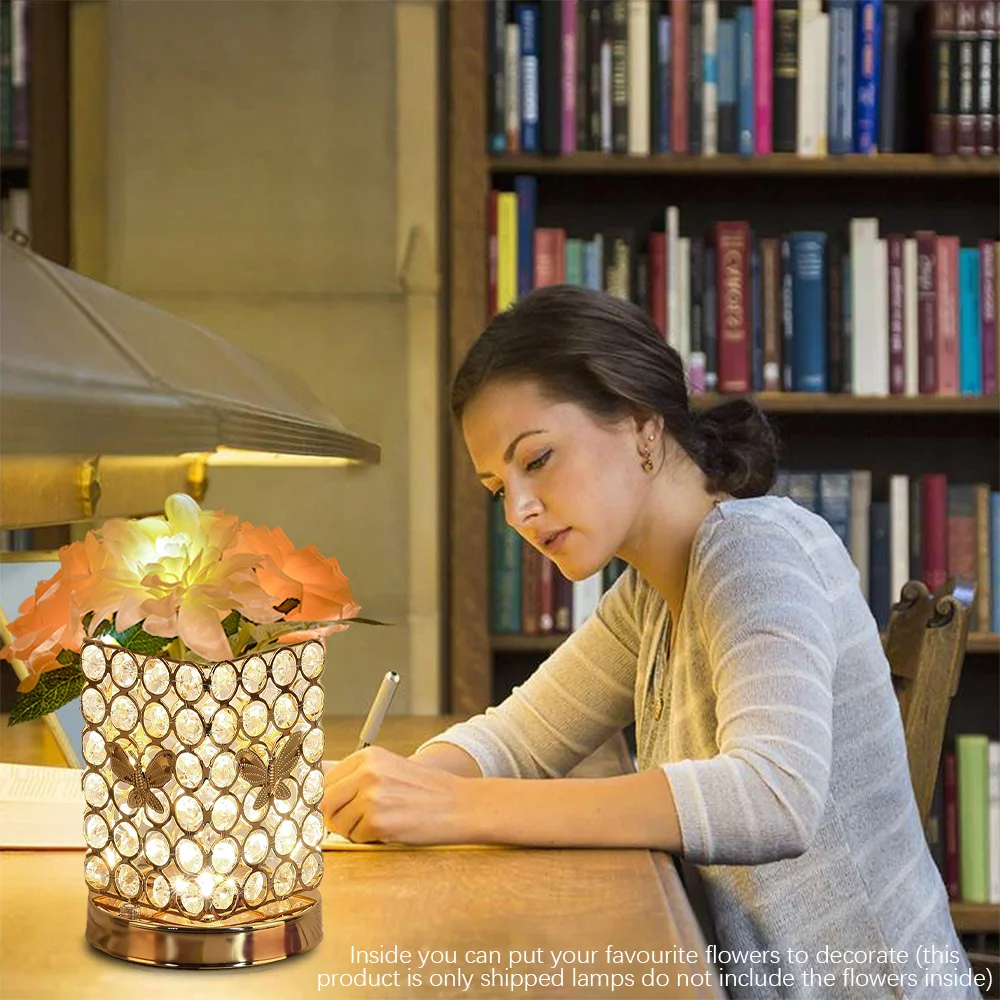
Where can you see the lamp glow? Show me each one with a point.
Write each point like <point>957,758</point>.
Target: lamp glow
<point>203,784</point>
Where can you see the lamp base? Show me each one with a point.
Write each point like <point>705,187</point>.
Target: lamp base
<point>256,937</point>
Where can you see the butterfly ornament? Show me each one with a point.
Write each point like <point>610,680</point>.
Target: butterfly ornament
<point>269,779</point>
<point>157,773</point>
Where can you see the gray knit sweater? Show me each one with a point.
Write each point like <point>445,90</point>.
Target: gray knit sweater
<point>781,738</point>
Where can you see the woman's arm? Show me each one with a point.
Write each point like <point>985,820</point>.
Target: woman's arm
<point>631,810</point>
<point>377,795</point>
<point>450,758</point>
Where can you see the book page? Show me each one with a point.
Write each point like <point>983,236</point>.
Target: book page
<point>41,807</point>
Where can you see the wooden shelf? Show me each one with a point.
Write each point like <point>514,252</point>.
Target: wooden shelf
<point>890,166</point>
<point>983,642</point>
<point>970,917</point>
<point>14,161</point>
<point>979,642</point>
<point>817,402</point>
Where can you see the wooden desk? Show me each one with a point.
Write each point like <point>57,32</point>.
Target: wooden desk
<point>458,901</point>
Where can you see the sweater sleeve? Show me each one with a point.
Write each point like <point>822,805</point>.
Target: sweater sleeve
<point>767,625</point>
<point>574,702</point>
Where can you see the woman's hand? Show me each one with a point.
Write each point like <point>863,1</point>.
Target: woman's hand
<point>376,795</point>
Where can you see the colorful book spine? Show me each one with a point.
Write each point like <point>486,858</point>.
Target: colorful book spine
<point>732,244</point>
<point>995,561</point>
<point>527,22</point>
<point>808,262</point>
<point>972,769</point>
<point>763,86</point>
<point>970,334</point>
<point>507,250</point>
<point>840,113</point>
<point>568,89</point>
<point>988,313</point>
<point>505,574</point>
<point>867,77</point>
<point>496,25</point>
<point>745,89</point>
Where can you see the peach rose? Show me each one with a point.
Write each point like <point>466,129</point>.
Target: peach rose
<point>50,620</point>
<point>318,584</point>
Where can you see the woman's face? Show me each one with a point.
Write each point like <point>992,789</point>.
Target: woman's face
<point>571,485</point>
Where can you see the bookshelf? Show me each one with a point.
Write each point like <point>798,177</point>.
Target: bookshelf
<point>959,436</point>
<point>42,170</point>
<point>43,167</point>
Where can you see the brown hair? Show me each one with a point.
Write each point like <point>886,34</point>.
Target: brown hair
<point>607,355</point>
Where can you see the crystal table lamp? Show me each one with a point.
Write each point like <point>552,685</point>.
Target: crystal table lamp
<point>203,784</point>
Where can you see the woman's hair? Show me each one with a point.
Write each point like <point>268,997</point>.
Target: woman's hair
<point>607,355</point>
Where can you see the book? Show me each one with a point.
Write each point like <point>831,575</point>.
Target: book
<point>41,808</point>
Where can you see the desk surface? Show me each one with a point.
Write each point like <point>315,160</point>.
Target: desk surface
<point>456,901</point>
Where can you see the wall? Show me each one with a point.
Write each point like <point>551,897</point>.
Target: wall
<point>268,169</point>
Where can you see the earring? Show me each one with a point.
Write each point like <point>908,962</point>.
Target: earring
<point>647,462</point>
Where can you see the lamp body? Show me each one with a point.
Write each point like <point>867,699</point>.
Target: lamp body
<point>202,786</point>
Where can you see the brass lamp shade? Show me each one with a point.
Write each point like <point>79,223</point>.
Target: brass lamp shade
<point>88,370</point>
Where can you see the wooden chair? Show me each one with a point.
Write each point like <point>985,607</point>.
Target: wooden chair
<point>925,645</point>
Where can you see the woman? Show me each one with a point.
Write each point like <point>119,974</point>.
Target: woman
<point>770,748</point>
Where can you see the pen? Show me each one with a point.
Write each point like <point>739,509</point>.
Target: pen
<point>377,712</point>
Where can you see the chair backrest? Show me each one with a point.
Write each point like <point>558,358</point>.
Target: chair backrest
<point>925,645</point>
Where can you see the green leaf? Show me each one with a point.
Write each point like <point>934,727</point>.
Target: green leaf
<point>141,642</point>
<point>68,658</point>
<point>231,623</point>
<point>54,689</point>
<point>268,632</point>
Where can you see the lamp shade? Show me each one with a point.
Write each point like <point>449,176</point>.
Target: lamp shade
<point>87,369</point>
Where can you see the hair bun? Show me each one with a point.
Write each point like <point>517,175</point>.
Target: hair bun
<point>739,448</point>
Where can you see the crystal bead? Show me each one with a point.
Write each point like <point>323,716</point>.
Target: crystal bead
<point>283,667</point>
<point>124,714</point>
<point>124,669</point>
<point>155,720</point>
<point>255,847</point>
<point>127,880</point>
<point>223,771</point>
<point>284,879</point>
<point>225,813</point>
<point>188,726</point>
<point>188,813</point>
<point>312,829</point>
<point>286,711</point>
<point>224,726</point>
<point>255,888</point>
<point>207,751</point>
<point>94,749</point>
<point>192,898</point>
<point>312,704</point>
<point>285,837</point>
<point>93,705</point>
<point>159,892</point>
<point>255,718</point>
<point>312,869</point>
<point>189,856</point>
<point>188,682</point>
<point>223,682</point>
<point>96,872</point>
<point>224,895</point>
<point>95,831</point>
<point>155,677</point>
<point>126,840</point>
<point>156,848</point>
<point>254,675</point>
<point>312,745</point>
<point>93,663</point>
<point>95,790</point>
<point>225,854</point>
<point>313,787</point>
<point>312,660</point>
<point>188,770</point>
